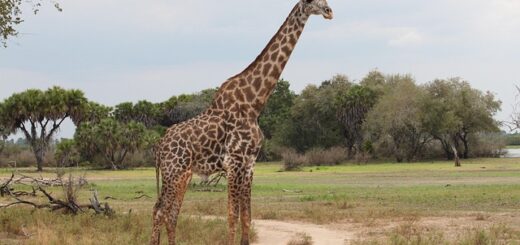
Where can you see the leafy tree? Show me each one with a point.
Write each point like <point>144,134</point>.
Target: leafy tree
<point>11,16</point>
<point>278,108</point>
<point>476,111</point>
<point>3,138</point>
<point>39,115</point>
<point>112,139</point>
<point>181,108</point>
<point>143,111</point>
<point>313,121</point>
<point>376,81</point>
<point>66,153</point>
<point>353,107</point>
<point>453,112</point>
<point>95,112</point>
<point>395,122</point>
<point>4,133</point>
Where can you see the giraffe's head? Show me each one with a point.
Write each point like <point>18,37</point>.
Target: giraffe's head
<point>317,7</point>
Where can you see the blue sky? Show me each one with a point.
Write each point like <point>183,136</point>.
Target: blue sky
<point>128,50</point>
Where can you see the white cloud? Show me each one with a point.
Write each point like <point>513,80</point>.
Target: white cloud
<point>132,57</point>
<point>406,39</point>
<point>371,30</point>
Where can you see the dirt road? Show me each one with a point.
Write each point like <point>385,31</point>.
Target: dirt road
<point>279,232</point>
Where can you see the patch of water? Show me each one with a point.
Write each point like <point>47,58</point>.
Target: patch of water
<point>513,153</point>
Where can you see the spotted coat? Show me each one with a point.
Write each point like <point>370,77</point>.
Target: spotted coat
<point>226,137</point>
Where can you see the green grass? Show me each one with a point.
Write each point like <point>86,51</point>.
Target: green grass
<point>326,194</point>
<point>513,147</point>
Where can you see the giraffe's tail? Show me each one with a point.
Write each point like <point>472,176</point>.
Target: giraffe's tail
<point>157,170</point>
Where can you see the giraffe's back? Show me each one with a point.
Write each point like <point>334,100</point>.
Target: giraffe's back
<point>197,144</point>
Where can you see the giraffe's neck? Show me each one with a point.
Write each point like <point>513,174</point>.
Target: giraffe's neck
<point>250,89</point>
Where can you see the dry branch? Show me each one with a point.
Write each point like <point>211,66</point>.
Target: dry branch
<point>5,189</point>
<point>70,190</point>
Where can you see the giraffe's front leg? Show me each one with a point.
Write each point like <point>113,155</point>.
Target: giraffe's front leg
<point>245,205</point>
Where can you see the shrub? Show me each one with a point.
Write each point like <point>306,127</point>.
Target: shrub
<point>140,158</point>
<point>488,145</point>
<point>513,139</point>
<point>362,157</point>
<point>292,160</point>
<point>301,239</point>
<point>270,152</point>
<point>332,156</point>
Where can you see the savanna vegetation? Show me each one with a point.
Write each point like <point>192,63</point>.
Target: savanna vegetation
<point>380,117</point>
<point>385,203</point>
<point>328,133</point>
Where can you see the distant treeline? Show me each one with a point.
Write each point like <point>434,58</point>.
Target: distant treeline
<point>381,116</point>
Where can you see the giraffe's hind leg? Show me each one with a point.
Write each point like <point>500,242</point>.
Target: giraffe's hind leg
<point>176,175</point>
<point>175,196</point>
<point>245,209</point>
<point>158,219</point>
<point>240,177</point>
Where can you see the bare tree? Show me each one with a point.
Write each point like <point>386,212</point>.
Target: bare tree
<point>514,124</point>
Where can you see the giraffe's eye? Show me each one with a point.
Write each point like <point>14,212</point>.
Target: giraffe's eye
<point>309,1</point>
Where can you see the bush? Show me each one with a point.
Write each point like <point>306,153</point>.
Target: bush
<point>301,238</point>
<point>292,160</point>
<point>23,157</point>
<point>513,139</point>
<point>270,152</point>
<point>488,145</point>
<point>332,156</point>
<point>140,158</point>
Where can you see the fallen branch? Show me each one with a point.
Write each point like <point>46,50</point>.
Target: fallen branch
<point>68,205</point>
<point>141,196</point>
<point>4,188</point>
<point>208,190</point>
<point>213,181</point>
<point>292,191</point>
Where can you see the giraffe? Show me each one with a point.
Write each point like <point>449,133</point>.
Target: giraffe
<point>226,137</point>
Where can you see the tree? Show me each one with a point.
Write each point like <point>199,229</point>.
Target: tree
<point>313,121</point>
<point>4,133</point>
<point>3,138</point>
<point>395,122</point>
<point>95,112</point>
<point>514,124</point>
<point>39,115</point>
<point>183,107</point>
<point>278,108</point>
<point>476,111</point>
<point>353,107</point>
<point>66,153</point>
<point>376,81</point>
<point>112,139</point>
<point>454,112</point>
<point>143,111</point>
<point>11,16</point>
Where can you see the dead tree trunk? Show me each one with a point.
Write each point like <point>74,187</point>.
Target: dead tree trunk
<point>456,156</point>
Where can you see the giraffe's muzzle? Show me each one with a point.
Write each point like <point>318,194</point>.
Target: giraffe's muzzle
<point>327,13</point>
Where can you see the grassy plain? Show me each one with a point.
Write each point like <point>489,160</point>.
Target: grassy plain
<point>355,194</point>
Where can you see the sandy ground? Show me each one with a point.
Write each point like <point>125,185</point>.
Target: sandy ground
<point>273,232</point>
<point>280,233</point>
